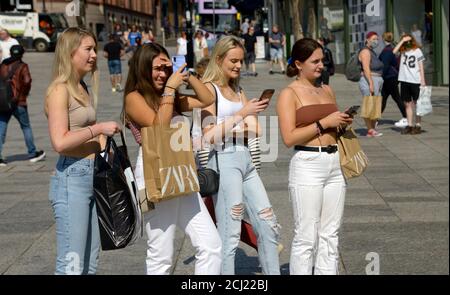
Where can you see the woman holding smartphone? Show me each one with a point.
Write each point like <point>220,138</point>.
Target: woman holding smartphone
<point>308,119</point>
<point>151,97</point>
<point>240,185</point>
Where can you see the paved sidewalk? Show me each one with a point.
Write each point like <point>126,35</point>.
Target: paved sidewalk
<point>398,209</point>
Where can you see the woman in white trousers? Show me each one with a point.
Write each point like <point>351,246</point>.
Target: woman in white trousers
<point>308,118</point>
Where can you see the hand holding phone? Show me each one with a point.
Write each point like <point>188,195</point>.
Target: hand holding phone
<point>352,111</point>
<point>267,94</point>
<point>178,61</point>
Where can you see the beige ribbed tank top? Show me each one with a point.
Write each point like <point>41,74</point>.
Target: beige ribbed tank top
<point>80,116</point>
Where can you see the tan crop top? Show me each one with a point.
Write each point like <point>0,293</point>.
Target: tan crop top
<point>307,115</point>
<point>80,116</point>
<point>311,113</point>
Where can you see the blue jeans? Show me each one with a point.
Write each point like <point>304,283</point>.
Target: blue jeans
<point>77,234</point>
<point>240,184</point>
<point>21,114</point>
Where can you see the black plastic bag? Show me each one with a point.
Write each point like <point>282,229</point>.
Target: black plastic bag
<point>118,210</point>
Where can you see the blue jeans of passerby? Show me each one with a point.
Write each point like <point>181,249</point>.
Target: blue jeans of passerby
<point>241,188</point>
<point>21,114</point>
<point>77,234</point>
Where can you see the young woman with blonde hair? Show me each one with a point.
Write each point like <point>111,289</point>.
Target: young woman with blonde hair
<point>152,97</point>
<point>240,185</point>
<point>74,134</point>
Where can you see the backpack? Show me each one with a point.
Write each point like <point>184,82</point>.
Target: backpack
<point>8,101</point>
<point>353,68</point>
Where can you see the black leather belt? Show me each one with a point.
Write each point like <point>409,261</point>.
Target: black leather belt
<point>331,149</point>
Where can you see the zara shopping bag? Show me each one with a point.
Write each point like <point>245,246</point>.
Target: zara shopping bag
<point>423,105</point>
<point>169,165</point>
<point>118,210</point>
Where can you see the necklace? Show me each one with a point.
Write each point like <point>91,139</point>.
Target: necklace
<point>312,90</point>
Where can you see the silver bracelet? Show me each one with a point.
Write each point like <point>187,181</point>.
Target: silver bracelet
<point>168,94</point>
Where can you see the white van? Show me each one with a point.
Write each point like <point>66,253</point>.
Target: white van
<point>34,30</point>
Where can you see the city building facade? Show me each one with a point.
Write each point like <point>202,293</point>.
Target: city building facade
<point>102,15</point>
<point>345,23</point>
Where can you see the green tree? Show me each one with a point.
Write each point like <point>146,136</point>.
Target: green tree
<point>296,7</point>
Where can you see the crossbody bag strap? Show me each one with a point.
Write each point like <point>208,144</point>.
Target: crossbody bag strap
<point>217,113</point>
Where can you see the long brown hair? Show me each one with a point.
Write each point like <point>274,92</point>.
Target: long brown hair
<point>140,75</point>
<point>413,41</point>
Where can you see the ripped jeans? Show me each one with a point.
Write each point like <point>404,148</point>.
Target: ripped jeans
<point>317,191</point>
<point>241,188</point>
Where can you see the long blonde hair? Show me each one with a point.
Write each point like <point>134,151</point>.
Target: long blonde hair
<point>214,72</point>
<point>63,69</point>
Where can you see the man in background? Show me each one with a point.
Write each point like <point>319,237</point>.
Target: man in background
<point>277,41</point>
<point>6,42</point>
<point>113,51</point>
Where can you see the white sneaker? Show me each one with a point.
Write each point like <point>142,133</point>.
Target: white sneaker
<point>402,123</point>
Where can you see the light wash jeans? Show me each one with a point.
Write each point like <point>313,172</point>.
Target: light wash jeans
<point>77,234</point>
<point>317,191</point>
<point>190,214</point>
<point>21,114</point>
<point>240,184</point>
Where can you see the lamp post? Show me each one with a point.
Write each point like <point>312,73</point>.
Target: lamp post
<point>189,33</point>
<point>214,17</point>
<point>44,9</point>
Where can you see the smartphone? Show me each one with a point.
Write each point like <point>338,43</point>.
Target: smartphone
<point>267,94</point>
<point>177,62</point>
<point>353,110</point>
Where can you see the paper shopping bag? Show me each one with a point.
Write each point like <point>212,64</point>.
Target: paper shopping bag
<point>353,159</point>
<point>169,165</point>
<point>371,107</point>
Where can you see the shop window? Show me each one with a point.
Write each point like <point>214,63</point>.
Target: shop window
<point>331,27</point>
